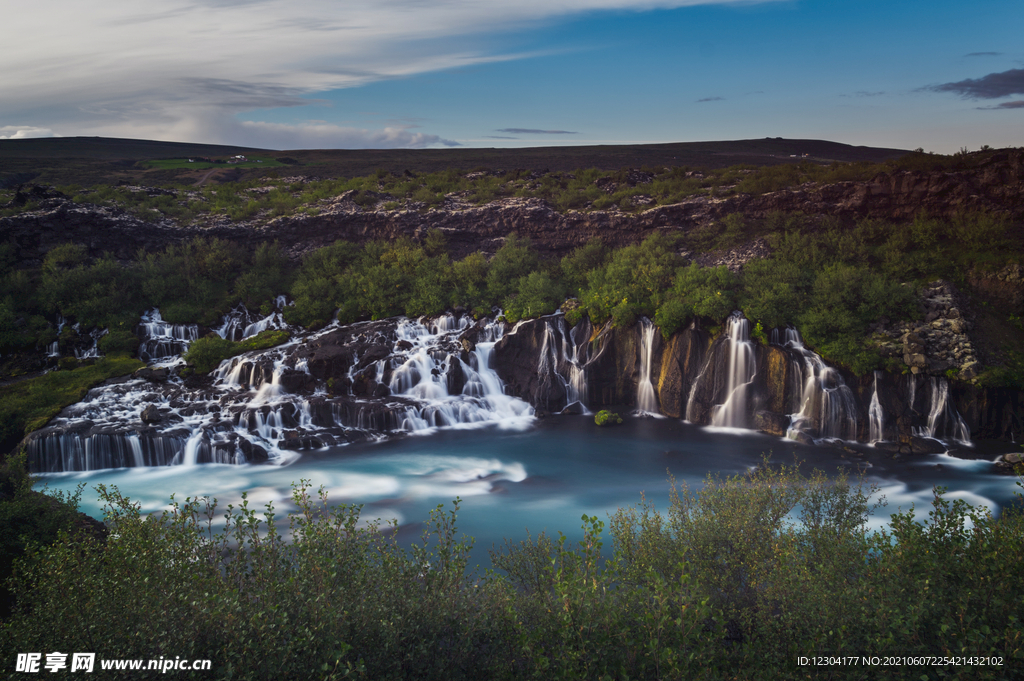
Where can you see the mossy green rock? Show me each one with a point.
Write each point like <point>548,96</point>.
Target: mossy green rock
<point>607,418</point>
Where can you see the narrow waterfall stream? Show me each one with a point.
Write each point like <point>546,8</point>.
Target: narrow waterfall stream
<point>563,358</point>
<point>876,416</point>
<point>944,421</point>
<point>646,400</point>
<point>741,370</point>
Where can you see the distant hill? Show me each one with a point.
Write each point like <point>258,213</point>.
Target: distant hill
<point>99,160</point>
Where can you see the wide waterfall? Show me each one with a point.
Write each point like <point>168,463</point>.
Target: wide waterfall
<point>828,408</point>
<point>646,400</point>
<point>339,385</point>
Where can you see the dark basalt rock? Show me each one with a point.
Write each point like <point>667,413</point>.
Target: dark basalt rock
<point>771,422</point>
<point>156,375</point>
<point>151,415</point>
<point>926,445</point>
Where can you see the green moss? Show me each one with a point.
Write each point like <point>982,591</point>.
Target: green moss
<point>607,418</point>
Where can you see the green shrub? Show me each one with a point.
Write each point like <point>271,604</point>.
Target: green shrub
<point>206,354</point>
<point>514,260</point>
<point>118,341</point>
<point>28,519</point>
<point>736,580</point>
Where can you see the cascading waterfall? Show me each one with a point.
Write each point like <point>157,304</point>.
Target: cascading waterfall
<point>162,340</point>
<point>876,417</point>
<point>262,406</point>
<point>828,408</point>
<point>647,401</point>
<point>422,377</point>
<point>944,421</point>
<point>741,370</point>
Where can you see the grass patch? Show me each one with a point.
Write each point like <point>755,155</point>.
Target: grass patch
<point>30,404</point>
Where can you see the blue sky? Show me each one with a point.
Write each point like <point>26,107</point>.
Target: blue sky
<point>323,73</point>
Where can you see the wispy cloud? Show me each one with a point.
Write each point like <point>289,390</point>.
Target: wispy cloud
<point>499,137</point>
<point>984,54</point>
<point>992,86</point>
<point>1005,105</point>
<point>166,65</point>
<point>20,132</point>
<point>711,99</point>
<point>534,131</point>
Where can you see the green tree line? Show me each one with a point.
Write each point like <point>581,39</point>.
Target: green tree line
<point>830,279</point>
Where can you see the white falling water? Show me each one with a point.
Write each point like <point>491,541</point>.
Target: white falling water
<point>828,409</point>
<point>944,421</point>
<point>240,323</point>
<point>740,373</point>
<point>93,351</point>
<point>161,340</point>
<point>421,377</point>
<point>646,400</point>
<point>248,414</point>
<point>560,359</point>
<point>876,417</point>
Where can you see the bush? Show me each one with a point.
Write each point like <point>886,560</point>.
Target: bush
<point>340,600</point>
<point>118,341</point>
<point>736,580</point>
<point>206,354</point>
<point>28,520</point>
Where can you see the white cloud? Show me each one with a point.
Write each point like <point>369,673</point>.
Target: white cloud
<point>21,132</point>
<point>155,66</point>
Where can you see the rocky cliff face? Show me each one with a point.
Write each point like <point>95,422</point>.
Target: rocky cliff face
<point>791,391</point>
<point>996,186</point>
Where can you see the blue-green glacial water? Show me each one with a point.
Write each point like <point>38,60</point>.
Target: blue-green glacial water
<point>542,475</point>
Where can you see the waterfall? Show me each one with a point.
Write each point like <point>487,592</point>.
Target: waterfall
<point>240,323</point>
<point>93,351</point>
<point>646,400</point>
<point>561,360</point>
<point>264,405</point>
<point>876,417</point>
<point>828,409</point>
<point>422,378</point>
<point>160,340</point>
<point>741,370</point>
<point>944,421</point>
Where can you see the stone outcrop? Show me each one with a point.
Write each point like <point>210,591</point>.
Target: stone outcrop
<point>940,345</point>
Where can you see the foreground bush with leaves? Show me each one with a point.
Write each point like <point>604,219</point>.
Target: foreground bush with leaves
<point>736,580</point>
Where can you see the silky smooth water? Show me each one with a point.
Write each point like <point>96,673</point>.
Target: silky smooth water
<point>543,478</point>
